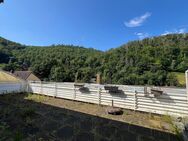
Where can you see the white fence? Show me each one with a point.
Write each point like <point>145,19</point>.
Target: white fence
<point>12,87</point>
<point>173,101</point>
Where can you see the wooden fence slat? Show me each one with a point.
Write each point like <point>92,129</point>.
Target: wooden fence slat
<point>174,101</point>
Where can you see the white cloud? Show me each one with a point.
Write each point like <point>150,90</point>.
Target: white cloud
<point>182,30</point>
<point>138,21</point>
<point>166,33</point>
<point>141,35</point>
<point>177,31</point>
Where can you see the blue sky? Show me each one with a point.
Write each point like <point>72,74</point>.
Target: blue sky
<point>101,24</point>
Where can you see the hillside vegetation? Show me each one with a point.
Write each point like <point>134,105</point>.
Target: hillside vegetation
<point>151,61</point>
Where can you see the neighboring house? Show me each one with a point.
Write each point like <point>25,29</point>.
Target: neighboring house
<point>26,75</point>
<point>6,77</point>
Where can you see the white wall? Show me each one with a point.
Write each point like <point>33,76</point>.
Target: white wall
<point>12,87</point>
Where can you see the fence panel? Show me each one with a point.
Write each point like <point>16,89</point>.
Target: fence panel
<point>172,102</point>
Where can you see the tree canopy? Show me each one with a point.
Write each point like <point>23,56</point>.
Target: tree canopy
<point>150,61</point>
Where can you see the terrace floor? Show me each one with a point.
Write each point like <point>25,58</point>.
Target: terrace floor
<point>36,117</point>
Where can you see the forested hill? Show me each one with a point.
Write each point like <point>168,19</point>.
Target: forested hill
<point>6,48</point>
<point>152,61</point>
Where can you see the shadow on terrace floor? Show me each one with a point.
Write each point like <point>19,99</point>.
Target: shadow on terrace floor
<point>22,119</point>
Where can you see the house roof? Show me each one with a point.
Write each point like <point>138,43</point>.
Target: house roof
<point>23,74</point>
<point>8,77</point>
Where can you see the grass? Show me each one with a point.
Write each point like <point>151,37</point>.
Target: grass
<point>30,116</point>
<point>128,115</point>
<point>180,77</point>
<point>174,127</point>
<point>167,119</point>
<point>37,98</point>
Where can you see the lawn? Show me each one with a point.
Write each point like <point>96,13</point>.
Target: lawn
<point>32,117</point>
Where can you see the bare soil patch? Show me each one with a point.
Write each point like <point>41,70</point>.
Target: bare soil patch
<point>31,117</point>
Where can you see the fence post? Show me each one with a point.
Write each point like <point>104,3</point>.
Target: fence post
<point>41,88</point>
<point>55,89</point>
<point>99,95</point>
<point>186,78</point>
<point>135,101</point>
<point>74,94</point>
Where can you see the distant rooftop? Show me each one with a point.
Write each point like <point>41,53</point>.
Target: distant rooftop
<point>22,74</point>
<point>26,75</point>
